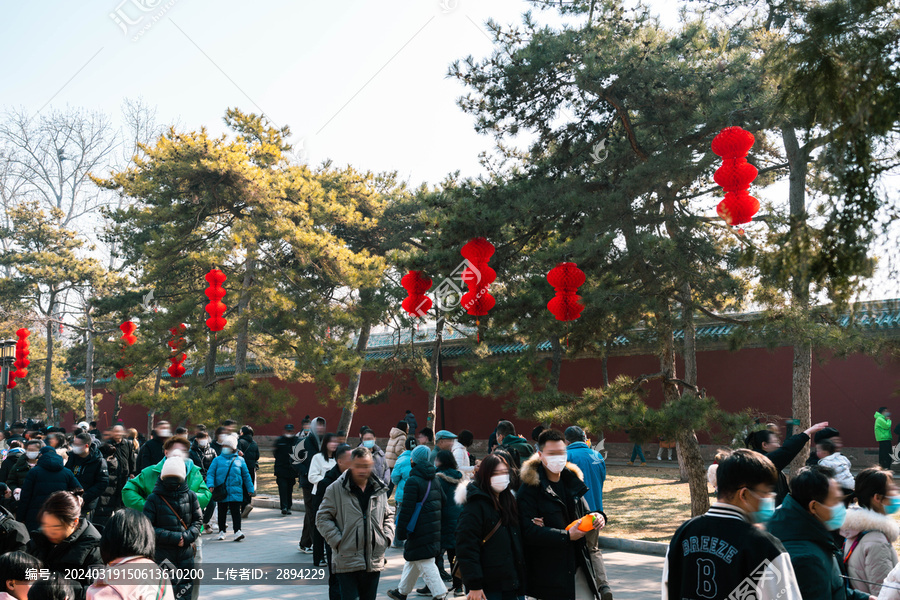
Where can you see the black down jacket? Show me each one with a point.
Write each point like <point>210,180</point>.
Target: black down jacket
<point>111,498</point>
<point>425,540</point>
<point>202,457</point>
<point>167,525</point>
<point>499,565</point>
<point>76,553</point>
<point>46,477</point>
<point>91,472</point>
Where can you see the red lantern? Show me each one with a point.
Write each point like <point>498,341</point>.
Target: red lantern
<point>216,308</point>
<point>123,374</point>
<point>477,276</point>
<point>176,369</point>
<point>735,174</point>
<point>478,250</point>
<point>21,363</point>
<point>738,207</point>
<point>566,278</point>
<point>732,142</point>
<point>128,328</point>
<point>416,284</point>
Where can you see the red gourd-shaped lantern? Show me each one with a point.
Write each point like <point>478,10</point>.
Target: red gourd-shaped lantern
<point>176,369</point>
<point>566,278</point>
<point>416,284</point>
<point>128,328</point>
<point>22,362</point>
<point>735,176</point>
<point>216,308</point>
<point>477,276</point>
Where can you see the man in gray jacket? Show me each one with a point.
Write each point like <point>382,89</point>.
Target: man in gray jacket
<point>357,522</point>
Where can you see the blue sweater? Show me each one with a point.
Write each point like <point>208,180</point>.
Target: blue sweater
<point>593,467</point>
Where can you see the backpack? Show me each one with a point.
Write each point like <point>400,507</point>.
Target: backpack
<point>513,453</point>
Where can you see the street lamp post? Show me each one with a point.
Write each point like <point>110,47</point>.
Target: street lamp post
<point>7,358</point>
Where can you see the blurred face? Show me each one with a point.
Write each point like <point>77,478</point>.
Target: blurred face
<point>822,509</point>
<point>178,449</point>
<point>18,589</point>
<point>821,452</point>
<point>341,439</point>
<point>53,441</point>
<point>445,444</point>
<point>344,462</point>
<point>361,469</point>
<point>773,444</point>
<point>163,430</point>
<point>320,428</point>
<point>421,439</point>
<point>106,436</point>
<point>55,530</point>
<point>332,446</point>
<point>118,433</point>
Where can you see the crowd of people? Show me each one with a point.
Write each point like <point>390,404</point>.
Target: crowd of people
<point>523,520</point>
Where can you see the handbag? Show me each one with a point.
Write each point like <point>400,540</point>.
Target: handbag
<point>219,493</point>
<point>410,527</point>
<point>177,516</point>
<point>456,572</point>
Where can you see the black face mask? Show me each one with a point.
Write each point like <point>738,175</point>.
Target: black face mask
<point>170,485</point>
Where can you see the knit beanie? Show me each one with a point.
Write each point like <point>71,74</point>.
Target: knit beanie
<point>420,455</point>
<point>173,467</point>
<point>231,440</point>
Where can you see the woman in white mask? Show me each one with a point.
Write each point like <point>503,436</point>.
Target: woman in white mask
<point>489,553</point>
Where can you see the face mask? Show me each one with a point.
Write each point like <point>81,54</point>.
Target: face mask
<point>765,511</point>
<point>556,463</point>
<point>227,450</point>
<point>369,443</point>
<point>838,512</point>
<point>77,449</point>
<point>291,434</point>
<point>499,483</point>
<point>221,439</point>
<point>32,455</point>
<point>203,443</point>
<point>165,433</point>
<point>891,504</point>
<point>170,483</point>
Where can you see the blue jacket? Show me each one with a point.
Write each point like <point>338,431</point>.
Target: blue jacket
<point>400,475</point>
<point>238,478</point>
<point>46,477</point>
<point>594,468</point>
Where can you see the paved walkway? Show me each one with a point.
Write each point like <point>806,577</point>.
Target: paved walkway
<point>272,538</point>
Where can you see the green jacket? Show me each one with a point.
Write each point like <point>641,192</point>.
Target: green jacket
<point>135,492</point>
<point>524,449</point>
<point>882,428</point>
<point>815,557</point>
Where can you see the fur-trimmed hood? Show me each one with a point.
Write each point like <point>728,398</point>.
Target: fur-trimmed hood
<point>451,476</point>
<point>467,490</point>
<point>530,475</point>
<point>862,519</point>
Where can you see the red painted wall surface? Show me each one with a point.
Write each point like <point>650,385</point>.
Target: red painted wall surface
<point>845,392</point>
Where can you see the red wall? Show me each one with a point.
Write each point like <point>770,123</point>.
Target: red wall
<point>845,392</point>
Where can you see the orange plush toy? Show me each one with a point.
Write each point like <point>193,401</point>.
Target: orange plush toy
<point>584,524</point>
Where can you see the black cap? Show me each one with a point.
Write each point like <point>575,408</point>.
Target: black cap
<point>826,433</point>
<point>289,427</point>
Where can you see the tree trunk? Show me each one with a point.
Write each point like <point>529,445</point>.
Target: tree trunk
<point>243,326</point>
<point>802,363</point>
<point>210,368</point>
<point>555,362</point>
<point>48,371</point>
<point>117,406</point>
<point>435,371</point>
<point>349,409</point>
<point>89,368</point>
<point>690,364</point>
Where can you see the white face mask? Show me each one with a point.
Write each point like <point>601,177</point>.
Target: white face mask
<point>499,482</point>
<point>31,455</point>
<point>165,433</point>
<point>221,439</point>
<point>555,463</point>
<point>77,449</point>
<point>203,443</point>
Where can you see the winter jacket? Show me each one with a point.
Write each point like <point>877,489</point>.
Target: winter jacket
<point>111,498</point>
<point>13,534</point>
<point>425,540</point>
<point>317,469</point>
<point>238,477</point>
<point>8,463</point>
<point>891,589</point>
<point>593,467</point>
<point>91,472</point>
<point>125,589</point>
<point>380,469</point>
<point>461,454</point>
<point>47,476</point>
<point>358,542</point>
<point>126,457</point>
<point>551,558</point>
<point>19,472</point>
<point>305,450</point>
<point>840,464</point>
<point>523,450</point>
<point>166,524</point>
<point>411,421</point>
<point>781,458</point>
<point>136,491</point>
<point>202,457</point>
<point>151,453</point>
<point>499,565</point>
<point>284,451</point>
<point>250,449</point>
<point>882,428</point>
<point>449,479</point>
<point>874,556</point>
<point>394,447</point>
<point>400,475</point>
<point>79,551</point>
<point>815,558</point>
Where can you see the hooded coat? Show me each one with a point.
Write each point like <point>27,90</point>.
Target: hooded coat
<point>19,471</point>
<point>234,479</point>
<point>400,475</point>
<point>91,472</point>
<point>425,540</point>
<point>136,491</point>
<point>151,452</point>
<point>874,556</point>
<point>815,558</point>
<point>167,526</point>
<point>250,448</point>
<point>551,558</point>
<point>882,428</point>
<point>449,479</point>
<point>305,450</point>
<point>46,477</point>
<point>394,447</point>
<point>284,456</point>
<point>499,564</point>
<point>76,553</point>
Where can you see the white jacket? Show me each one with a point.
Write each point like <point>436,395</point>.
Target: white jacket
<point>462,458</point>
<point>874,555</point>
<point>317,469</point>
<point>840,464</point>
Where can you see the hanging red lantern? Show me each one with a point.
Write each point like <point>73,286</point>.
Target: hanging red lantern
<point>566,278</point>
<point>176,369</point>
<point>128,328</point>
<point>416,284</point>
<point>477,276</point>
<point>21,363</point>
<point>738,208</point>
<point>733,142</point>
<point>478,250</point>
<point>123,374</point>
<point>735,174</point>
<point>216,308</point>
